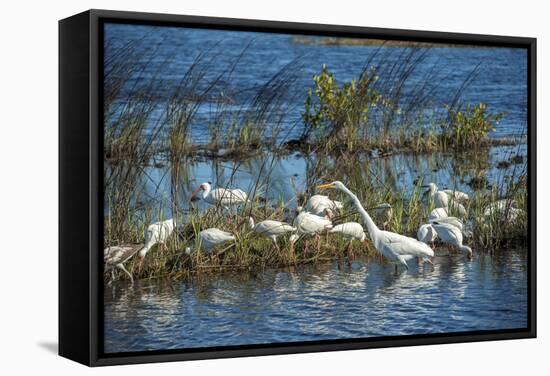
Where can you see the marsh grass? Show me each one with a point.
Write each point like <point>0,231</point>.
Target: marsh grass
<point>346,126</point>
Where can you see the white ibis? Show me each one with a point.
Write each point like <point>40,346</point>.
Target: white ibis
<point>156,233</point>
<point>450,193</point>
<point>115,257</point>
<point>452,235</point>
<point>438,213</point>
<point>210,239</point>
<point>448,199</point>
<point>311,225</point>
<point>394,247</point>
<point>223,197</point>
<point>426,234</point>
<point>318,203</point>
<point>270,229</point>
<point>351,231</point>
<point>451,221</point>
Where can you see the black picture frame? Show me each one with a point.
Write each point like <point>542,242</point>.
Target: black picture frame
<point>80,195</point>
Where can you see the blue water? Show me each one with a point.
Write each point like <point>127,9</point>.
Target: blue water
<point>325,301</point>
<point>165,55</point>
<point>319,302</point>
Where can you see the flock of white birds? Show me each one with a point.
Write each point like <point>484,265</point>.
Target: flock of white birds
<point>315,218</point>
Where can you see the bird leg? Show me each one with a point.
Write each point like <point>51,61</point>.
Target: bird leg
<point>120,266</point>
<point>349,250</point>
<point>318,242</point>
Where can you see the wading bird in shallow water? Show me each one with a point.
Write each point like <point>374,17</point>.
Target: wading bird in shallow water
<point>270,229</point>
<point>156,233</point>
<point>351,231</point>
<point>211,238</point>
<point>318,203</point>
<point>394,247</point>
<point>310,224</point>
<point>115,257</point>
<point>447,233</point>
<point>223,197</point>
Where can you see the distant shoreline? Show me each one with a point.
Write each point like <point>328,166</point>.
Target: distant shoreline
<point>341,41</point>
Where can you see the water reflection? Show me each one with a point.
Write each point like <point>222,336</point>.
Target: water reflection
<point>313,302</point>
<point>168,187</point>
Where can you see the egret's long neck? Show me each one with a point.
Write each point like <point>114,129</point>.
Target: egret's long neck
<point>367,220</point>
<point>206,191</point>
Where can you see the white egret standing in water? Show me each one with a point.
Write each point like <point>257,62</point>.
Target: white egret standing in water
<point>395,247</point>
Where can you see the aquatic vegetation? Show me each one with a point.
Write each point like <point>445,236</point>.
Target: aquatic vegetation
<point>345,126</point>
<point>469,127</point>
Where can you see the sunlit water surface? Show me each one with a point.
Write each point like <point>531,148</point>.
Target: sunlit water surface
<point>318,302</point>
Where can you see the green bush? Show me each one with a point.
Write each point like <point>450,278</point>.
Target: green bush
<point>338,113</point>
<point>471,126</point>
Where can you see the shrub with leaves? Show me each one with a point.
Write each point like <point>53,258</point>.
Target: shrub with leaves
<point>338,113</point>
<point>471,126</point>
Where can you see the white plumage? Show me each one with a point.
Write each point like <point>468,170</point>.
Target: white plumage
<point>426,234</point>
<point>350,230</point>
<point>310,224</point>
<point>156,233</point>
<point>210,238</point>
<point>452,235</point>
<point>394,247</point>
<point>270,229</point>
<point>451,221</point>
<point>224,197</point>
<point>317,204</point>
<point>447,198</point>
<point>438,213</point>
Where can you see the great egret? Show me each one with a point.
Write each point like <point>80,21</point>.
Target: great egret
<point>271,229</point>
<point>395,247</point>
<point>384,213</point>
<point>210,238</point>
<point>310,224</point>
<point>223,197</point>
<point>318,203</point>
<point>452,235</point>
<point>351,231</point>
<point>156,233</point>
<point>116,256</point>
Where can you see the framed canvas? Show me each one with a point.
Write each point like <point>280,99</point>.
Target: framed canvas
<point>239,187</point>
